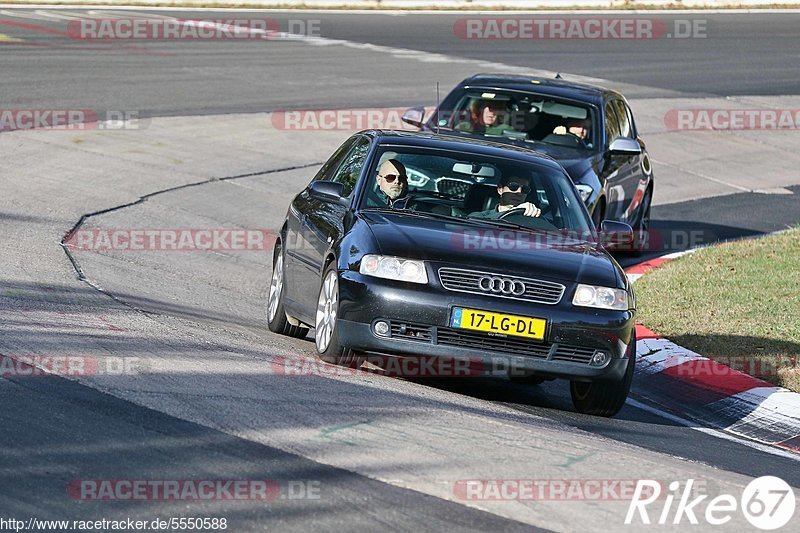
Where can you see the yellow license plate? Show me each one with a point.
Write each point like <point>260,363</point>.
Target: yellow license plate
<point>519,326</point>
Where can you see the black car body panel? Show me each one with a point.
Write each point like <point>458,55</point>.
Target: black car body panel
<point>618,182</point>
<point>320,230</point>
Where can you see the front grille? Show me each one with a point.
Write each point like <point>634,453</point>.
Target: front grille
<point>536,290</point>
<point>577,354</point>
<point>453,187</point>
<point>414,332</point>
<point>495,343</point>
<point>482,341</point>
<point>512,345</point>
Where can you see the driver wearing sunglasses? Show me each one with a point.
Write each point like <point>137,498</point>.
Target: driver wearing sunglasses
<point>513,191</point>
<point>392,181</point>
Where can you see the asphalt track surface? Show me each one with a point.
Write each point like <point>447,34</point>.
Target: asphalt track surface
<point>64,430</point>
<point>185,78</point>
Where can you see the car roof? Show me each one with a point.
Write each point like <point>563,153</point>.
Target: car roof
<point>535,84</point>
<point>443,141</point>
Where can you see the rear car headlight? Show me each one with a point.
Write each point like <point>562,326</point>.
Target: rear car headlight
<point>600,297</point>
<point>397,268</point>
<point>585,191</point>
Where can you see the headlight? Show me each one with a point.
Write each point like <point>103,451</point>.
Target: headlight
<point>601,297</point>
<point>585,191</point>
<point>416,178</point>
<point>397,268</point>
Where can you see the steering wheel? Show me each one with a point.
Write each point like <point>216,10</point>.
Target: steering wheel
<point>576,139</point>
<point>512,212</point>
<point>521,211</point>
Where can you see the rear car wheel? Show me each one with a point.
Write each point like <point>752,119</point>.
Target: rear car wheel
<point>326,333</point>
<point>277,320</point>
<point>604,398</point>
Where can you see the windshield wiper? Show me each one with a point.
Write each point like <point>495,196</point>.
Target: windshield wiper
<point>507,224</point>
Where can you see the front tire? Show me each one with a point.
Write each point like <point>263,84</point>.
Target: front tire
<point>326,335</point>
<point>604,398</point>
<point>277,321</point>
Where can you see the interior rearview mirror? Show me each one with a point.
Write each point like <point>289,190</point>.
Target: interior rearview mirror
<point>474,169</point>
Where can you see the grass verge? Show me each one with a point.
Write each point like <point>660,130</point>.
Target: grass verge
<point>737,303</point>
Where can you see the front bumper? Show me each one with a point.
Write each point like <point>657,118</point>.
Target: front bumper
<point>419,318</point>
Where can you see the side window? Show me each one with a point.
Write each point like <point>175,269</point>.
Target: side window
<point>335,160</point>
<point>612,123</point>
<point>348,172</point>
<point>622,116</point>
<point>632,122</point>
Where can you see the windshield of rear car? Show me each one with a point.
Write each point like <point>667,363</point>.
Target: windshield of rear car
<point>520,116</point>
<point>465,186</point>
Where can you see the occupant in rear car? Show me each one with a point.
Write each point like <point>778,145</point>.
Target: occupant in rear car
<point>487,117</point>
<point>513,191</point>
<point>576,126</point>
<point>393,182</point>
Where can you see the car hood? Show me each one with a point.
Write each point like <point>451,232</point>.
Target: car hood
<point>575,162</point>
<point>497,249</point>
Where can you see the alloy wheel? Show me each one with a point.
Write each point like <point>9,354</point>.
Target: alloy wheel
<point>327,308</point>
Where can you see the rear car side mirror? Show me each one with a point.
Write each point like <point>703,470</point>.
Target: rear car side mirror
<point>624,146</point>
<point>326,190</point>
<point>414,116</point>
<point>616,235</point>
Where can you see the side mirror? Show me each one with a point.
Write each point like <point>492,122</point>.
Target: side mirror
<point>326,190</point>
<point>624,146</point>
<point>414,116</point>
<point>616,235</point>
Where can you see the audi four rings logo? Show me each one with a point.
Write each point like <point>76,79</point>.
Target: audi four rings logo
<point>507,286</point>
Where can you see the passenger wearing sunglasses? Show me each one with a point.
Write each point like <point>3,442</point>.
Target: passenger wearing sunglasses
<point>393,182</point>
<point>513,191</point>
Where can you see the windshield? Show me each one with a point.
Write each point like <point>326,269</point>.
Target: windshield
<point>484,189</point>
<point>520,116</point>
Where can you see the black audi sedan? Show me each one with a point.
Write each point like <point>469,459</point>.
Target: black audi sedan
<point>420,244</point>
<point>590,130</point>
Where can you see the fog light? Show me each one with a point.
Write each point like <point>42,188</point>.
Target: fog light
<point>599,359</point>
<point>381,328</point>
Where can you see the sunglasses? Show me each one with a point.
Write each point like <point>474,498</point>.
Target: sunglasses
<point>391,177</point>
<point>514,187</point>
